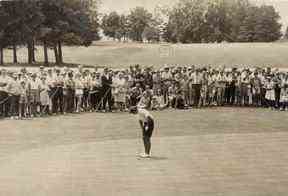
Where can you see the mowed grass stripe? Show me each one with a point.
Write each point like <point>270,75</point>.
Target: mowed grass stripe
<point>119,55</point>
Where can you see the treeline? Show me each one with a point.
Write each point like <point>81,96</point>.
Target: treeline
<point>198,21</point>
<point>138,25</point>
<point>50,23</point>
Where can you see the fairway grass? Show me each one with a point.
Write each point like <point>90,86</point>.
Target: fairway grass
<point>122,55</point>
<point>219,151</point>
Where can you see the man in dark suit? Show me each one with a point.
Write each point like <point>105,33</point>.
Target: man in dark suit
<point>106,81</point>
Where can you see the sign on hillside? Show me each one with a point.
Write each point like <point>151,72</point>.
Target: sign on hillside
<point>166,51</point>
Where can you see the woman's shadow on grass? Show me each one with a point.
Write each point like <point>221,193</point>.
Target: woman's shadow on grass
<point>158,158</point>
<point>154,158</point>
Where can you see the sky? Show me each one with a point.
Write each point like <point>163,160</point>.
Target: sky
<point>123,6</point>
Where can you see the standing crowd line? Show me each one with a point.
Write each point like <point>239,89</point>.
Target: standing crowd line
<point>54,91</point>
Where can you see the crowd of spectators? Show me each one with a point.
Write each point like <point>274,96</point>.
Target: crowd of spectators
<point>54,91</point>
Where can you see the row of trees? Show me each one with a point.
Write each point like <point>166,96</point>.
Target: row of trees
<point>26,23</point>
<point>140,24</point>
<point>47,23</point>
<point>198,21</point>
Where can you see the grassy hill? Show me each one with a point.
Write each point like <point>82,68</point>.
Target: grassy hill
<point>126,54</point>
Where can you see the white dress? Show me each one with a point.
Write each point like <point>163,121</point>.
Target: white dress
<point>120,90</point>
<point>270,93</point>
<point>44,95</point>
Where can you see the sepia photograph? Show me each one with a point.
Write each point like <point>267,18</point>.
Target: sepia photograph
<point>143,97</point>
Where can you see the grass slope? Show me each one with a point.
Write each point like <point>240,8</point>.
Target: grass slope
<point>123,55</point>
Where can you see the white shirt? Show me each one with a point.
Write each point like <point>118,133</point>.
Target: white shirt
<point>34,85</point>
<point>143,115</point>
<point>196,78</point>
<point>166,76</point>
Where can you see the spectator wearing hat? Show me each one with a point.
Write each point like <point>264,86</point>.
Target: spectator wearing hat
<point>106,81</point>
<point>148,78</point>
<point>120,86</point>
<point>139,78</point>
<point>57,93</point>
<point>172,94</point>
<point>204,91</point>
<point>262,76</point>
<point>86,89</point>
<point>156,81</point>
<point>41,71</point>
<point>49,79</point>
<point>250,88</point>
<point>96,89</point>
<point>245,81</point>
<point>196,78</point>
<point>166,79</point>
<point>230,88</point>
<point>79,91</point>
<point>210,88</point>
<point>238,86</point>
<point>34,95</point>
<point>233,87</point>
<point>270,93</point>
<point>184,83</point>
<point>64,75</point>
<point>44,96</point>
<point>69,86</point>
<point>221,85</point>
<point>13,88</point>
<point>23,100</point>
<point>277,89</point>
<point>256,89</point>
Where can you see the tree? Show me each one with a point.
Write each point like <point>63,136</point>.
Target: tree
<point>260,25</point>
<point>23,19</point>
<point>68,22</point>
<point>218,21</point>
<point>267,29</point>
<point>138,19</point>
<point>222,20</point>
<point>186,22</point>
<point>247,27</point>
<point>32,21</point>
<point>238,10</point>
<point>123,30</point>
<point>151,34</point>
<point>53,22</point>
<point>111,24</point>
